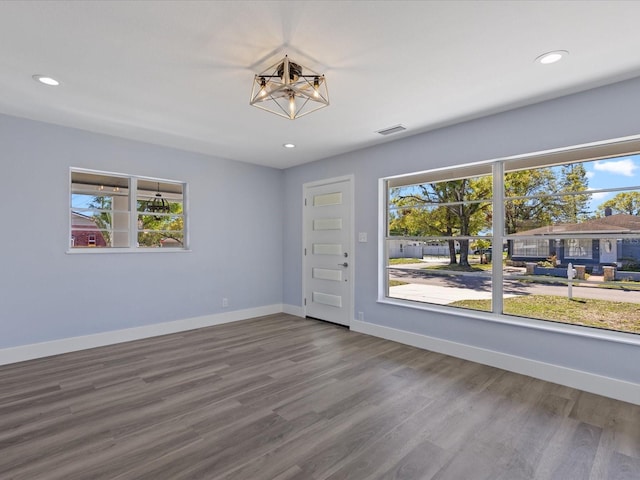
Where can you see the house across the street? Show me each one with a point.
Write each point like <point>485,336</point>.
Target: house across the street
<point>603,249</point>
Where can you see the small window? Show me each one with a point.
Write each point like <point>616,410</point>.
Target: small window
<point>101,206</point>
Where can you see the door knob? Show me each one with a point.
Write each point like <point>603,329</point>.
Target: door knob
<point>345,264</point>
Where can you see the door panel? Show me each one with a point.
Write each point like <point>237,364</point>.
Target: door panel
<point>327,261</point>
<point>608,251</point>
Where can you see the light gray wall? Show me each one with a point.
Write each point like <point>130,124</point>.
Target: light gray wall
<point>599,114</point>
<point>45,294</point>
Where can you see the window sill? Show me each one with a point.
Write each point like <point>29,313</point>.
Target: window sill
<point>545,325</point>
<point>106,251</point>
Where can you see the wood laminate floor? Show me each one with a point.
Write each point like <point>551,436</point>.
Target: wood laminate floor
<point>284,398</point>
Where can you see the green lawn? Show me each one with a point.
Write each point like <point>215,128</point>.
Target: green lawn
<point>404,261</point>
<point>475,267</point>
<point>396,283</point>
<point>621,316</point>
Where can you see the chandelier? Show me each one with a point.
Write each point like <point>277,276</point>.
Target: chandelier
<point>158,205</point>
<point>289,89</point>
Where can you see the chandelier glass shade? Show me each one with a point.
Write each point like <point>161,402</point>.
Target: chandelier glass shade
<point>158,205</point>
<point>289,90</point>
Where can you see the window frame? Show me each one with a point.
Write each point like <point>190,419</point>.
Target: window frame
<point>602,150</point>
<point>132,230</point>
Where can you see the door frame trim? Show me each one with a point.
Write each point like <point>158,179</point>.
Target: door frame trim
<point>351,229</point>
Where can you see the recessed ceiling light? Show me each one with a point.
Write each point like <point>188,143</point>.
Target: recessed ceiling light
<point>289,145</point>
<point>46,80</point>
<point>552,57</point>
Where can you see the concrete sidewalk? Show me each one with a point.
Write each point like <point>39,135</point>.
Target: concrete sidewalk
<point>438,294</point>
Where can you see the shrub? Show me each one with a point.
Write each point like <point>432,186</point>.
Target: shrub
<point>546,264</point>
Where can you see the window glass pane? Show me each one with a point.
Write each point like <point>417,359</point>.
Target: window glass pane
<point>90,183</point>
<point>81,238</point>
<point>160,217</point>
<point>462,219</point>
<point>424,272</point>
<point>525,214</point>
<point>604,291</point>
<point>580,217</point>
<point>607,211</point>
<point>544,196</point>
<point>593,307</point>
<point>160,231</point>
<point>454,208</point>
<point>99,210</point>
<point>445,192</point>
<point>97,231</point>
<point>152,195</point>
<point>448,262</point>
<point>164,239</point>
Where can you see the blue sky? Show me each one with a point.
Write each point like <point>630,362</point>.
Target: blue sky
<point>612,173</point>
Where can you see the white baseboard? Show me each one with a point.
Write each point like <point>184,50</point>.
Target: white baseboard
<point>65,345</point>
<point>589,382</point>
<point>293,310</point>
<point>609,387</point>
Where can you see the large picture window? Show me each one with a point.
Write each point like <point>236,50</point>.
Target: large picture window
<point>101,206</point>
<point>551,237</point>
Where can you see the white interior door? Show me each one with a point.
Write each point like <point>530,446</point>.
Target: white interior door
<point>328,264</point>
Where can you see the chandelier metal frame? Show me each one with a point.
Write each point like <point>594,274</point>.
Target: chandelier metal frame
<point>158,205</point>
<point>289,90</point>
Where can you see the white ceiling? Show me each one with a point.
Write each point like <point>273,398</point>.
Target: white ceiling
<point>179,73</point>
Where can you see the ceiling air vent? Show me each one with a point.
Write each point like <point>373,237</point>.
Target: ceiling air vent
<point>392,130</point>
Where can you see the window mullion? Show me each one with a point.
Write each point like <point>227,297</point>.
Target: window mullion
<point>498,238</point>
<point>185,216</point>
<point>133,213</point>
<point>385,244</point>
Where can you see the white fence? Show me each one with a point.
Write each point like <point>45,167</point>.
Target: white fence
<point>408,249</point>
